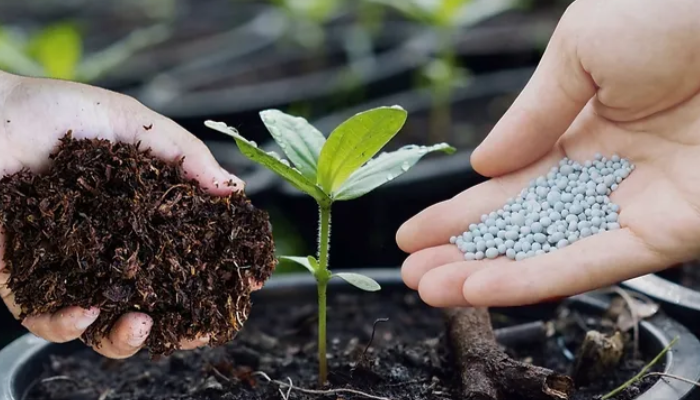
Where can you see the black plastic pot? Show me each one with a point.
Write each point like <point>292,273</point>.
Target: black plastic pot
<point>214,88</point>
<point>192,30</point>
<point>22,361</point>
<point>370,222</point>
<point>677,300</point>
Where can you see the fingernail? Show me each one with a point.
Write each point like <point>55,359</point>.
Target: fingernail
<point>232,180</point>
<point>89,316</point>
<point>204,339</point>
<point>138,338</point>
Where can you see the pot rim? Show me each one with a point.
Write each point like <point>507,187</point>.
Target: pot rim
<point>662,289</point>
<point>680,360</point>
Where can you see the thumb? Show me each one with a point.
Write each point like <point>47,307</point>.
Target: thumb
<point>554,96</point>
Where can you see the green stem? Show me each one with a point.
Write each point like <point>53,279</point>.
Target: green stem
<point>322,277</point>
<point>642,372</point>
<point>441,118</point>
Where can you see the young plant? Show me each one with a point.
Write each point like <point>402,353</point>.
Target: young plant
<point>445,18</point>
<point>305,19</point>
<point>338,169</point>
<point>56,51</point>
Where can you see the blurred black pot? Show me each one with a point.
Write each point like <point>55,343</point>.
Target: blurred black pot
<point>678,300</point>
<point>23,361</point>
<point>168,33</point>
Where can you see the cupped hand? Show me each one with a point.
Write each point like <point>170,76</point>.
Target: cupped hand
<point>34,115</point>
<point>617,77</point>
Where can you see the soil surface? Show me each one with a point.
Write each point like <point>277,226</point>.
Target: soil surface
<point>111,226</point>
<point>408,358</point>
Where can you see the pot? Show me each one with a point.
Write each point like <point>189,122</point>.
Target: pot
<point>21,362</point>
<point>679,301</point>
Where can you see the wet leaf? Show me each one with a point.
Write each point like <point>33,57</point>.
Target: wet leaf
<point>299,140</point>
<point>290,174</point>
<point>309,262</point>
<point>355,141</point>
<point>385,168</point>
<point>359,281</point>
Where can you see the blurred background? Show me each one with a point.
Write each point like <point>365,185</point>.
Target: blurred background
<point>455,65</point>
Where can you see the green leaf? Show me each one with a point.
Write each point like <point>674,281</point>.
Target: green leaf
<point>59,49</point>
<point>309,262</point>
<point>447,10</point>
<point>13,57</point>
<point>291,175</point>
<point>314,10</point>
<point>412,9</point>
<point>359,281</point>
<point>299,140</point>
<point>355,141</point>
<point>385,168</point>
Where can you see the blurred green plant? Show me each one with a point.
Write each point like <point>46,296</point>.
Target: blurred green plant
<point>446,18</point>
<point>57,51</point>
<point>305,19</point>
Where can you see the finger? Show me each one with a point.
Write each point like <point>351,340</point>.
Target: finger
<point>170,141</point>
<point>555,95</point>
<point>127,336</point>
<point>597,261</point>
<point>7,297</point>
<point>194,343</point>
<point>63,326</point>
<point>442,286</point>
<point>434,225</point>
<point>417,264</point>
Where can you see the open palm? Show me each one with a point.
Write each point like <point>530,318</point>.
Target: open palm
<point>34,115</point>
<point>618,77</point>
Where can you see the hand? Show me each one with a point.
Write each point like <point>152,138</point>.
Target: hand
<point>617,77</point>
<point>34,114</point>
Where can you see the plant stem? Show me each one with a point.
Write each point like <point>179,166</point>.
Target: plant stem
<point>322,363</point>
<point>441,118</point>
<point>322,278</point>
<point>642,372</point>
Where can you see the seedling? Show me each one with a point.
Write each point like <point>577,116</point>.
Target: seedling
<point>445,18</point>
<point>338,169</point>
<point>305,19</point>
<point>56,51</point>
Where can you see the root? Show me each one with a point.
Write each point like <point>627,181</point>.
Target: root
<point>680,378</point>
<point>45,380</point>
<point>290,386</point>
<point>598,355</point>
<point>489,374</point>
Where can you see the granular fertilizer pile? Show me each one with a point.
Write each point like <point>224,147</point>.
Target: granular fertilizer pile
<point>570,203</point>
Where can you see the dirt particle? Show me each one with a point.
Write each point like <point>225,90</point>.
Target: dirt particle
<point>164,248</point>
